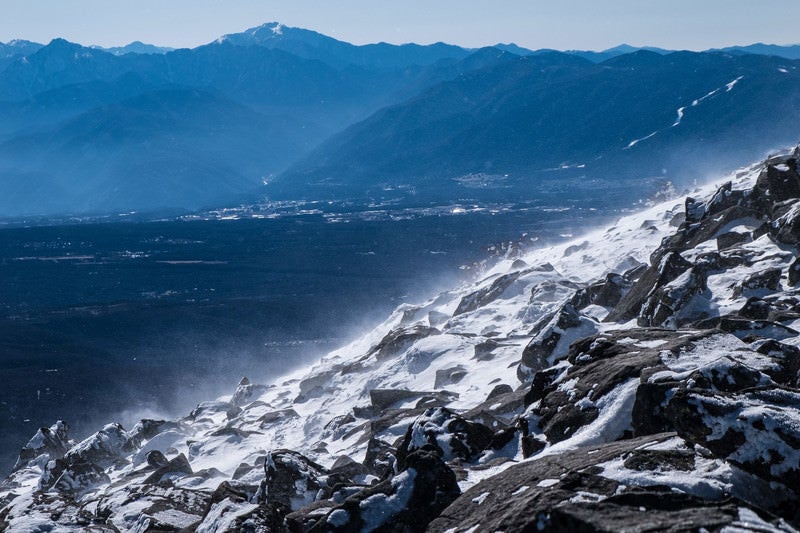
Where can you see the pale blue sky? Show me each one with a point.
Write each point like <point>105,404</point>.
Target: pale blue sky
<point>560,24</point>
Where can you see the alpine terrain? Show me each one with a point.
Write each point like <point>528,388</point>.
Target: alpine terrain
<point>642,377</point>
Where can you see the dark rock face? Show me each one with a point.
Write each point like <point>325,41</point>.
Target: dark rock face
<point>668,305</point>
<point>52,442</point>
<point>293,481</point>
<point>759,428</point>
<point>732,238</point>
<point>407,502</point>
<point>540,351</point>
<point>543,495</point>
<point>606,293</point>
<point>488,294</point>
<point>449,434</point>
<point>82,467</point>
<point>400,339</point>
<point>669,267</point>
<point>766,281</point>
<point>179,465</point>
<point>779,181</point>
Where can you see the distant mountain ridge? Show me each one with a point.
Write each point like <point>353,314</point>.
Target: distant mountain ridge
<point>62,104</point>
<point>552,116</point>
<point>312,45</point>
<point>136,47</point>
<point>79,126</point>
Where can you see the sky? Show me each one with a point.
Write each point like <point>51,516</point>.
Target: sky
<point>558,24</point>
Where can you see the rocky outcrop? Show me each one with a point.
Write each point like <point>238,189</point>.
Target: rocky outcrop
<point>49,443</point>
<point>407,502</point>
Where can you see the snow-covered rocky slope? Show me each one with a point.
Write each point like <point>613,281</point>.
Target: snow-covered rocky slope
<point>642,377</point>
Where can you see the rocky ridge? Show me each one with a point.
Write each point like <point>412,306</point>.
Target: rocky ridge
<point>643,377</point>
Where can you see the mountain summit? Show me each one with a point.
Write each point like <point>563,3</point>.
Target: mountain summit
<point>312,45</point>
<point>638,377</point>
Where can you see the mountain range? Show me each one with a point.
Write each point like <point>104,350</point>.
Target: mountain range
<point>539,119</point>
<point>85,130</point>
<point>642,377</point>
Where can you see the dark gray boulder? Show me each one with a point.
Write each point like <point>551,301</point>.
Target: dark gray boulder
<point>668,268</point>
<point>451,435</point>
<point>487,295</point>
<point>407,502</point>
<point>293,481</point>
<point>668,306</point>
<point>756,429</point>
<point>605,293</point>
<point>169,470</point>
<point>400,339</point>
<point>759,283</point>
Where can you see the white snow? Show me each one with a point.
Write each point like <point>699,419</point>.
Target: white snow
<point>680,116</point>
<point>637,141</point>
<point>481,498</point>
<point>729,86</point>
<point>379,508</point>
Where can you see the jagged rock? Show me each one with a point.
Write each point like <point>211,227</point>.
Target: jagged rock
<point>567,399</point>
<point>786,370</point>
<point>779,181</point>
<point>499,390</point>
<point>753,429</point>
<point>179,466</point>
<point>794,272</point>
<point>573,491</point>
<point>692,234</point>
<point>380,458</point>
<point>670,305</point>
<point>346,467</point>
<point>759,283</point>
<point>153,508</point>
<point>663,511</point>
<point>272,417</point>
<point>407,502</point>
<point>246,392</point>
<point>552,340</point>
<point>670,267</point>
<point>487,295</point>
<point>450,434</point>
<point>294,481</point>
<point>400,339</point>
<point>500,413</point>
<point>745,329</point>
<point>148,428</point>
<point>755,309</point>
<point>156,459</point>
<point>79,477</point>
<point>382,399</point>
<point>484,351</point>
<point>206,409</point>
<point>449,376</point>
<point>643,460</point>
<point>786,228</point>
<point>52,442</point>
<point>732,238</point>
<point>102,448</point>
<point>606,293</point>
